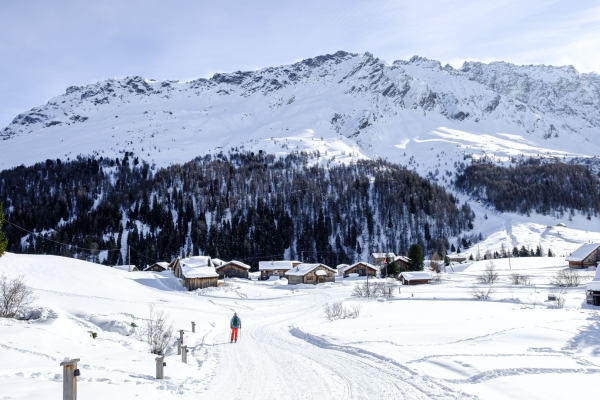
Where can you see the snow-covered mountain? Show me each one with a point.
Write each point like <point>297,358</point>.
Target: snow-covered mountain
<point>344,105</point>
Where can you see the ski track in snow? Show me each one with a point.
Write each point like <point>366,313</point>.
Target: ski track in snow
<point>274,360</point>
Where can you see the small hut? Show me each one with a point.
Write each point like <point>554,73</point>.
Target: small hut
<point>415,278</point>
<point>457,258</point>
<point>585,256</point>
<point>310,274</point>
<point>126,268</point>
<point>273,268</point>
<point>233,269</point>
<point>361,268</point>
<point>158,267</point>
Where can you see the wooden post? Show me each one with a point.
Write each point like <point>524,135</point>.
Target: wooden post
<point>160,364</point>
<point>184,351</point>
<point>181,335</point>
<point>70,374</point>
<point>178,346</point>
<point>193,327</point>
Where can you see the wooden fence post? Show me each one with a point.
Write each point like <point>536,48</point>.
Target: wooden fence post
<point>70,374</point>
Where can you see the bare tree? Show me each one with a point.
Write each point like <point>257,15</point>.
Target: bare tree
<point>482,294</point>
<point>159,330</point>
<point>14,296</point>
<point>518,279</point>
<point>337,310</point>
<point>566,278</point>
<point>489,275</point>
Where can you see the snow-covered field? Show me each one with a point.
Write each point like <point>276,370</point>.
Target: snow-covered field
<point>431,341</point>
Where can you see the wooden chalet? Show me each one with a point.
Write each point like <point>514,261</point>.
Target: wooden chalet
<point>361,268</point>
<point>457,258</point>
<point>588,255</point>
<point>592,290</point>
<point>233,269</point>
<point>403,263</point>
<point>195,272</point>
<point>158,267</point>
<point>274,268</point>
<point>415,278</point>
<point>310,274</point>
<point>380,259</point>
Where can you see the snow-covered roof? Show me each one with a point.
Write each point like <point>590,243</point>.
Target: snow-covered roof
<point>271,265</point>
<point>198,272</point>
<point>238,263</point>
<point>163,264</point>
<point>583,251</point>
<point>303,269</point>
<point>197,261</point>
<point>345,267</point>
<point>415,275</point>
<point>216,262</point>
<point>383,255</point>
<point>593,285</point>
<point>403,258</point>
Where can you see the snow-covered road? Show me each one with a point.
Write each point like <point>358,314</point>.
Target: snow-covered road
<point>275,360</point>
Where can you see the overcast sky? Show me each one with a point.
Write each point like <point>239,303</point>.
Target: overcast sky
<point>48,45</point>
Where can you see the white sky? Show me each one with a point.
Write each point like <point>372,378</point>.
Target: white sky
<point>46,46</point>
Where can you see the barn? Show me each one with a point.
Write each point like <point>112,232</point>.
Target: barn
<point>415,278</point>
<point>310,274</point>
<point>233,269</point>
<point>274,268</point>
<point>195,272</point>
<point>403,263</point>
<point>588,255</point>
<point>361,268</point>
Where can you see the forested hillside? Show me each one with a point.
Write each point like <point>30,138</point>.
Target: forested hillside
<point>532,185</point>
<point>236,206</point>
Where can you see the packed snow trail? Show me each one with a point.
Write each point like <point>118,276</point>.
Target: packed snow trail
<point>270,361</point>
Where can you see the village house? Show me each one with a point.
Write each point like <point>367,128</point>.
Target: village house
<point>158,267</point>
<point>403,262</point>
<point>310,274</point>
<point>457,258</point>
<point>361,268</point>
<point>592,290</point>
<point>379,259</point>
<point>232,269</point>
<point>274,268</point>
<point>415,278</point>
<point>196,272</point>
<point>585,256</point>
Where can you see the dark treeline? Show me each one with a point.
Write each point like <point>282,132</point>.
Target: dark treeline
<point>531,185</point>
<point>238,206</point>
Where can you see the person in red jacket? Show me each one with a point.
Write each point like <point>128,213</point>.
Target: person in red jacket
<point>235,324</point>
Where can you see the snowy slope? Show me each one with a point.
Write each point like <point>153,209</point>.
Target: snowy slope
<point>430,341</point>
<point>343,105</point>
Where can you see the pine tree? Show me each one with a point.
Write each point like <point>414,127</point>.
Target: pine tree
<point>3,239</point>
<point>415,253</point>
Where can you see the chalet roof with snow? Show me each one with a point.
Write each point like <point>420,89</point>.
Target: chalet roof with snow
<point>273,265</point>
<point>303,269</point>
<point>346,267</point>
<point>162,264</point>
<point>198,272</point>
<point>403,258</point>
<point>415,275</point>
<point>197,261</point>
<point>237,263</point>
<point>582,252</point>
